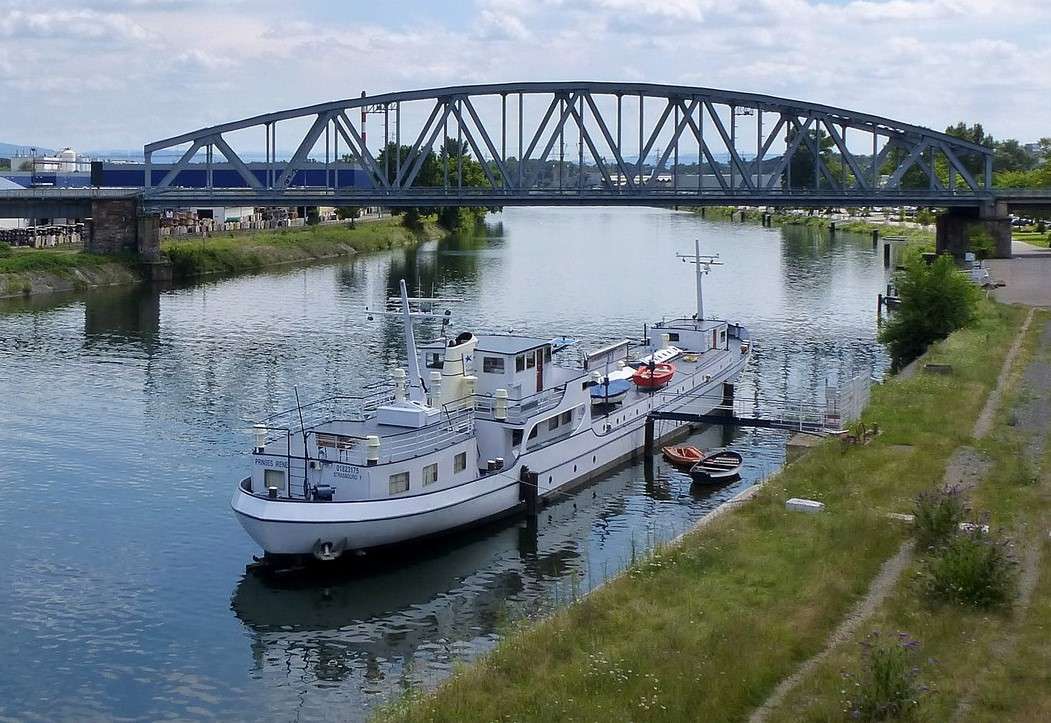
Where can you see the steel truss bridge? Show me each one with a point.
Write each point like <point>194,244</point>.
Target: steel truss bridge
<point>631,139</point>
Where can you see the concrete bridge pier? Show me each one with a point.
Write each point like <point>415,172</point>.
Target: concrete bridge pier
<point>958,229</point>
<point>119,226</point>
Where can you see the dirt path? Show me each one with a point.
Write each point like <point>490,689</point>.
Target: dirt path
<point>881,585</point>
<point>966,468</point>
<point>985,419</point>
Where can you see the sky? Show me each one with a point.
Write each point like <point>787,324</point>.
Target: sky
<point>97,74</point>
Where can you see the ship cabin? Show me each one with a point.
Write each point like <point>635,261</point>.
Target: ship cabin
<point>525,400</point>
<point>697,335</point>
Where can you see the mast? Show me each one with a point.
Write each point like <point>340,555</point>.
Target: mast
<point>702,265</point>
<point>416,393</point>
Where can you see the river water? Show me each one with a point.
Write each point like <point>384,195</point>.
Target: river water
<point>124,423</point>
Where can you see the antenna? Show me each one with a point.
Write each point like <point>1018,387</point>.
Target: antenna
<point>407,314</point>
<point>702,266</point>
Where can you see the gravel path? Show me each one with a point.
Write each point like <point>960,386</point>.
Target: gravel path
<point>1032,415</point>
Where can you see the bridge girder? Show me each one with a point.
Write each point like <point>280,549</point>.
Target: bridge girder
<point>665,122</point>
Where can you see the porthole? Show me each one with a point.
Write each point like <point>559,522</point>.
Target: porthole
<point>593,459</point>
<point>574,468</point>
<point>549,478</point>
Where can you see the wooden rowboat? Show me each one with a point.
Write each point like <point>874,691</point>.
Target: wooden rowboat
<point>717,467</point>
<point>683,456</point>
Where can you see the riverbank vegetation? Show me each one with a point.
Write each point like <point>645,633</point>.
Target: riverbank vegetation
<point>20,260</point>
<point>936,300</point>
<point>920,236</point>
<point>706,628</point>
<point>452,166</point>
<point>232,254</point>
<point>26,271</point>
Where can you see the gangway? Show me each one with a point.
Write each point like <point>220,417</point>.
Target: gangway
<point>841,407</point>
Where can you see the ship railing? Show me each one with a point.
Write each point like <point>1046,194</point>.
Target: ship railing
<point>520,410</point>
<point>340,406</point>
<point>456,424</point>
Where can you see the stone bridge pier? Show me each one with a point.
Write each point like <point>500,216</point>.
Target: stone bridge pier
<point>120,227</point>
<point>960,229</point>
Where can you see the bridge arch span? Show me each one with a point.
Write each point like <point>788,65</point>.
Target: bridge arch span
<point>566,143</point>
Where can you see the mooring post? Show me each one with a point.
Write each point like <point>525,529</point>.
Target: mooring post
<point>875,237</point>
<point>728,396</point>
<point>832,228</point>
<point>528,484</point>
<point>879,306</point>
<point>886,255</point>
<point>647,447</point>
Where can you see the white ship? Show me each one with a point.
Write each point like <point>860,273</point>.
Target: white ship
<point>497,421</point>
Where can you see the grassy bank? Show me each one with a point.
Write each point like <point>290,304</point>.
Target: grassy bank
<point>25,272</point>
<point>979,664</point>
<point>861,226</point>
<point>23,260</point>
<point>234,254</point>
<point>706,628</point>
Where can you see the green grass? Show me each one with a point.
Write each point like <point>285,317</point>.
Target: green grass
<point>1033,237</point>
<point>966,650</point>
<point>23,260</point>
<point>705,629</point>
<point>251,252</point>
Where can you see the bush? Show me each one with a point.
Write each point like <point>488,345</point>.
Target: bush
<point>973,570</point>
<point>981,242</point>
<point>936,300</point>
<point>938,516</point>
<point>5,250</point>
<point>887,685</point>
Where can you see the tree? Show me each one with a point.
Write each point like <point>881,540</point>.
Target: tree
<point>1043,149</point>
<point>936,300</point>
<point>972,134</point>
<point>800,171</point>
<point>453,165</point>
<point>1010,155</point>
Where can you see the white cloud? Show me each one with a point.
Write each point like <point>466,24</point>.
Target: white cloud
<point>158,67</point>
<point>75,24</point>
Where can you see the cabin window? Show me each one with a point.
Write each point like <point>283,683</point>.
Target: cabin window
<point>274,478</point>
<point>533,432</point>
<point>434,360</point>
<point>567,417</point>
<point>399,483</point>
<point>722,337</point>
<point>516,436</point>
<point>460,462</point>
<point>673,336</point>
<point>552,423</point>
<point>530,360</point>
<point>547,354</point>
<point>520,363</point>
<point>493,364</point>
<point>430,474</point>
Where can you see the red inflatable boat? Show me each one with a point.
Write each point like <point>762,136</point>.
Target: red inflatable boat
<point>647,377</point>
